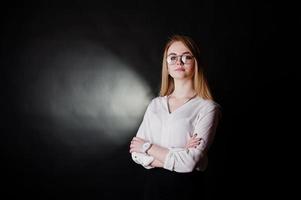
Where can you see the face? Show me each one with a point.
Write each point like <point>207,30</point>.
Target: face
<point>180,61</point>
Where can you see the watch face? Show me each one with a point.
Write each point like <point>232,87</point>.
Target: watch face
<point>146,146</point>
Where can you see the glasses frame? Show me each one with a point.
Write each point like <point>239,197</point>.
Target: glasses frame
<point>184,61</point>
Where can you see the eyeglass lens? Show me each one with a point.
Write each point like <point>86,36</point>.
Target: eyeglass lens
<point>185,58</point>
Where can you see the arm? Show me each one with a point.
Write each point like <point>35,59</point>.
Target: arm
<point>160,153</point>
<point>156,152</point>
<point>138,157</point>
<point>182,159</point>
<point>185,160</point>
<point>143,160</point>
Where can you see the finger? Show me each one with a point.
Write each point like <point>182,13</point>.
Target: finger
<point>193,137</point>
<point>192,144</point>
<point>196,140</point>
<point>193,141</point>
<point>133,150</point>
<point>197,145</point>
<point>134,146</point>
<point>136,142</point>
<point>136,149</point>
<point>137,139</point>
<point>190,137</point>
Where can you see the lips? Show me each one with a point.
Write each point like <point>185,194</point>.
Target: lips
<point>180,69</point>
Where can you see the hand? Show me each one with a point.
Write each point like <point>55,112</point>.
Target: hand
<point>156,163</point>
<point>193,142</point>
<point>136,145</point>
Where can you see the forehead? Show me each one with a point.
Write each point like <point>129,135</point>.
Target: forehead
<point>178,48</point>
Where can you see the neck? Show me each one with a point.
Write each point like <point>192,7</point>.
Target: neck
<point>183,88</point>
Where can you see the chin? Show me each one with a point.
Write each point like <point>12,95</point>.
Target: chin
<point>180,77</point>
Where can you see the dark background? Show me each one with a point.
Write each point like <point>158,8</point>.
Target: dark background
<point>243,50</point>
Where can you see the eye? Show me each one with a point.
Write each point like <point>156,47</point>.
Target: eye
<point>173,58</point>
<point>188,57</point>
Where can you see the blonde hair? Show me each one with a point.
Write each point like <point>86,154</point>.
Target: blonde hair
<point>200,84</point>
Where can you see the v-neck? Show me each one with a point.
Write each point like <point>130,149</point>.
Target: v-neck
<point>179,108</point>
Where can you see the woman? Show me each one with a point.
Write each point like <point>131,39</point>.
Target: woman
<point>178,126</point>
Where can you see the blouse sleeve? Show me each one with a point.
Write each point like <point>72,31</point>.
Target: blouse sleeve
<point>185,159</point>
<point>140,158</point>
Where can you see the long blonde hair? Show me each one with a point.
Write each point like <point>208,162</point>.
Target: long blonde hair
<point>200,84</point>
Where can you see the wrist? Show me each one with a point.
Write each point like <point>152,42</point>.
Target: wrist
<point>146,146</point>
<point>148,149</point>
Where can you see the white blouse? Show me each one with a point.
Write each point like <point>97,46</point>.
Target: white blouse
<point>172,131</point>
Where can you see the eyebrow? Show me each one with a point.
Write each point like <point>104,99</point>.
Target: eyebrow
<point>186,52</point>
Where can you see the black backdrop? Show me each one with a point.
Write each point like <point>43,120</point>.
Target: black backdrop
<point>239,41</point>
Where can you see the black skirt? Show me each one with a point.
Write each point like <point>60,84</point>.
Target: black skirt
<point>162,184</point>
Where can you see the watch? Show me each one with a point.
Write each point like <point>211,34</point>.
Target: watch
<point>146,146</point>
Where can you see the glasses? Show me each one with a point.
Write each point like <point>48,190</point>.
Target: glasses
<point>185,58</point>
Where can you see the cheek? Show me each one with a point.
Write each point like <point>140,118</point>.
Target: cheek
<point>170,70</point>
<point>190,70</point>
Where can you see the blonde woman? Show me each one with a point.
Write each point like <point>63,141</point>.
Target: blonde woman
<point>178,126</point>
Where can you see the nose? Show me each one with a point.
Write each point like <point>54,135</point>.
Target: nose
<point>179,61</point>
